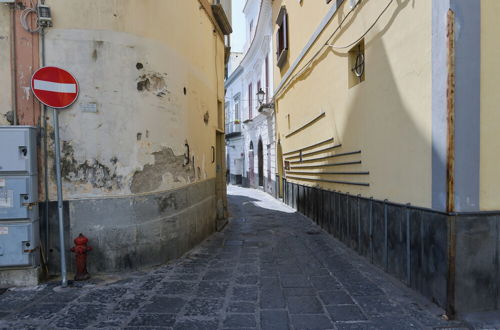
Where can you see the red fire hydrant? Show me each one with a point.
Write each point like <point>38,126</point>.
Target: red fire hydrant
<point>80,249</point>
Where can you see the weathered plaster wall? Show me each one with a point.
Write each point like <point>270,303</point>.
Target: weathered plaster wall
<point>5,67</point>
<point>490,105</point>
<point>387,116</point>
<point>136,65</point>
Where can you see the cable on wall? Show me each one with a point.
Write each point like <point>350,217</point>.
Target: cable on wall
<point>320,50</point>
<point>366,32</point>
<point>25,14</point>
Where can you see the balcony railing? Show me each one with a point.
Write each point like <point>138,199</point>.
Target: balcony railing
<point>233,128</point>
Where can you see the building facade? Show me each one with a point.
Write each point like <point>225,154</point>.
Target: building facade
<point>384,115</point>
<point>143,146</point>
<point>250,126</point>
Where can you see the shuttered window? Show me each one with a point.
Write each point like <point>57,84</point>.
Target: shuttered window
<point>282,37</point>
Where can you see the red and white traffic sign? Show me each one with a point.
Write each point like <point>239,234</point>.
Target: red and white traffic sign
<point>54,87</point>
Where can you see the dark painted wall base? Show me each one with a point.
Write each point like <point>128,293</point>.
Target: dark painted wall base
<point>413,244</point>
<point>135,231</point>
<point>235,179</point>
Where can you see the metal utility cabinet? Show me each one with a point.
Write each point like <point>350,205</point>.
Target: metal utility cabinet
<point>19,221</point>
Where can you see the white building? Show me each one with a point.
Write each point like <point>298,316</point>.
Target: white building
<point>250,138</point>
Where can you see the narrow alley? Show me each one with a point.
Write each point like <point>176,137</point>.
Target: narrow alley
<point>270,268</point>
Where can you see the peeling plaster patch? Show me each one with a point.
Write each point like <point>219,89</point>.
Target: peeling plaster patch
<point>91,171</point>
<point>167,202</point>
<point>154,83</point>
<point>166,164</point>
<point>9,117</point>
<point>27,91</point>
<point>139,136</point>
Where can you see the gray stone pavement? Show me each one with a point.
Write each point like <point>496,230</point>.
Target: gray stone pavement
<point>270,268</point>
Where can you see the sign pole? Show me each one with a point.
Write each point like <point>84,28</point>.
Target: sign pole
<point>64,279</point>
<point>57,89</point>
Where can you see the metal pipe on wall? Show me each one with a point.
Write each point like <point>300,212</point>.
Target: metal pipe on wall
<point>13,61</point>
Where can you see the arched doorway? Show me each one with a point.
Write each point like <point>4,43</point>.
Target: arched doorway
<point>251,165</point>
<point>260,155</point>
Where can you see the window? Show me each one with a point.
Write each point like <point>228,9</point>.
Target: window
<point>250,103</point>
<point>356,62</point>
<point>237,109</point>
<point>282,37</point>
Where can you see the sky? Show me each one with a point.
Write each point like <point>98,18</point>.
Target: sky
<point>238,21</point>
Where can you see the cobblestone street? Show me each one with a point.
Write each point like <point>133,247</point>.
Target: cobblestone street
<point>270,268</point>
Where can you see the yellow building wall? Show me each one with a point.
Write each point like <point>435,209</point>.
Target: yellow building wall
<point>387,117</point>
<point>113,47</point>
<point>490,106</point>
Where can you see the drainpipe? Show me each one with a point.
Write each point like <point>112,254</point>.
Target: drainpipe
<point>450,166</point>
<point>13,64</point>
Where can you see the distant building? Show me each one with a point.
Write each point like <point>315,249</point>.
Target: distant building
<point>383,103</point>
<point>250,123</point>
<point>143,146</point>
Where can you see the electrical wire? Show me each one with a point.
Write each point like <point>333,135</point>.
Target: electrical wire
<point>366,32</point>
<point>313,58</point>
<point>25,14</point>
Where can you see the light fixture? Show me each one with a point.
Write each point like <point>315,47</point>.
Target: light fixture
<point>260,96</point>
<point>359,64</point>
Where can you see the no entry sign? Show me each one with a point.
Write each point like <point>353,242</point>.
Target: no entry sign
<point>54,87</point>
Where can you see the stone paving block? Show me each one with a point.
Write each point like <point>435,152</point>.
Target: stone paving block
<point>183,277</point>
<point>218,275</point>
<point>245,293</point>
<point>165,305</point>
<point>112,320</point>
<point>363,289</point>
<point>395,323</point>
<point>174,288</point>
<point>378,306</point>
<point>295,281</point>
<point>240,321</point>
<point>346,313</point>
<point>196,325</point>
<point>66,296</point>
<point>304,305</point>
<point>247,269</point>
<point>79,316</point>
<point>299,292</point>
<point>153,320</point>
<point>335,298</point>
<point>271,299</point>
<point>274,320</point>
<point>203,307</point>
<point>289,269</point>
<point>311,322</point>
<point>242,307</point>
<point>247,280</point>
<point>211,289</point>
<point>325,283</point>
<point>39,312</point>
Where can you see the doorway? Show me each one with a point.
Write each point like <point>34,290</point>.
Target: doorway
<point>260,156</point>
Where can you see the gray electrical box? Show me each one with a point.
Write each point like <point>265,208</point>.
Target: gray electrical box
<point>18,150</point>
<point>19,224</point>
<point>18,197</point>
<point>19,244</point>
